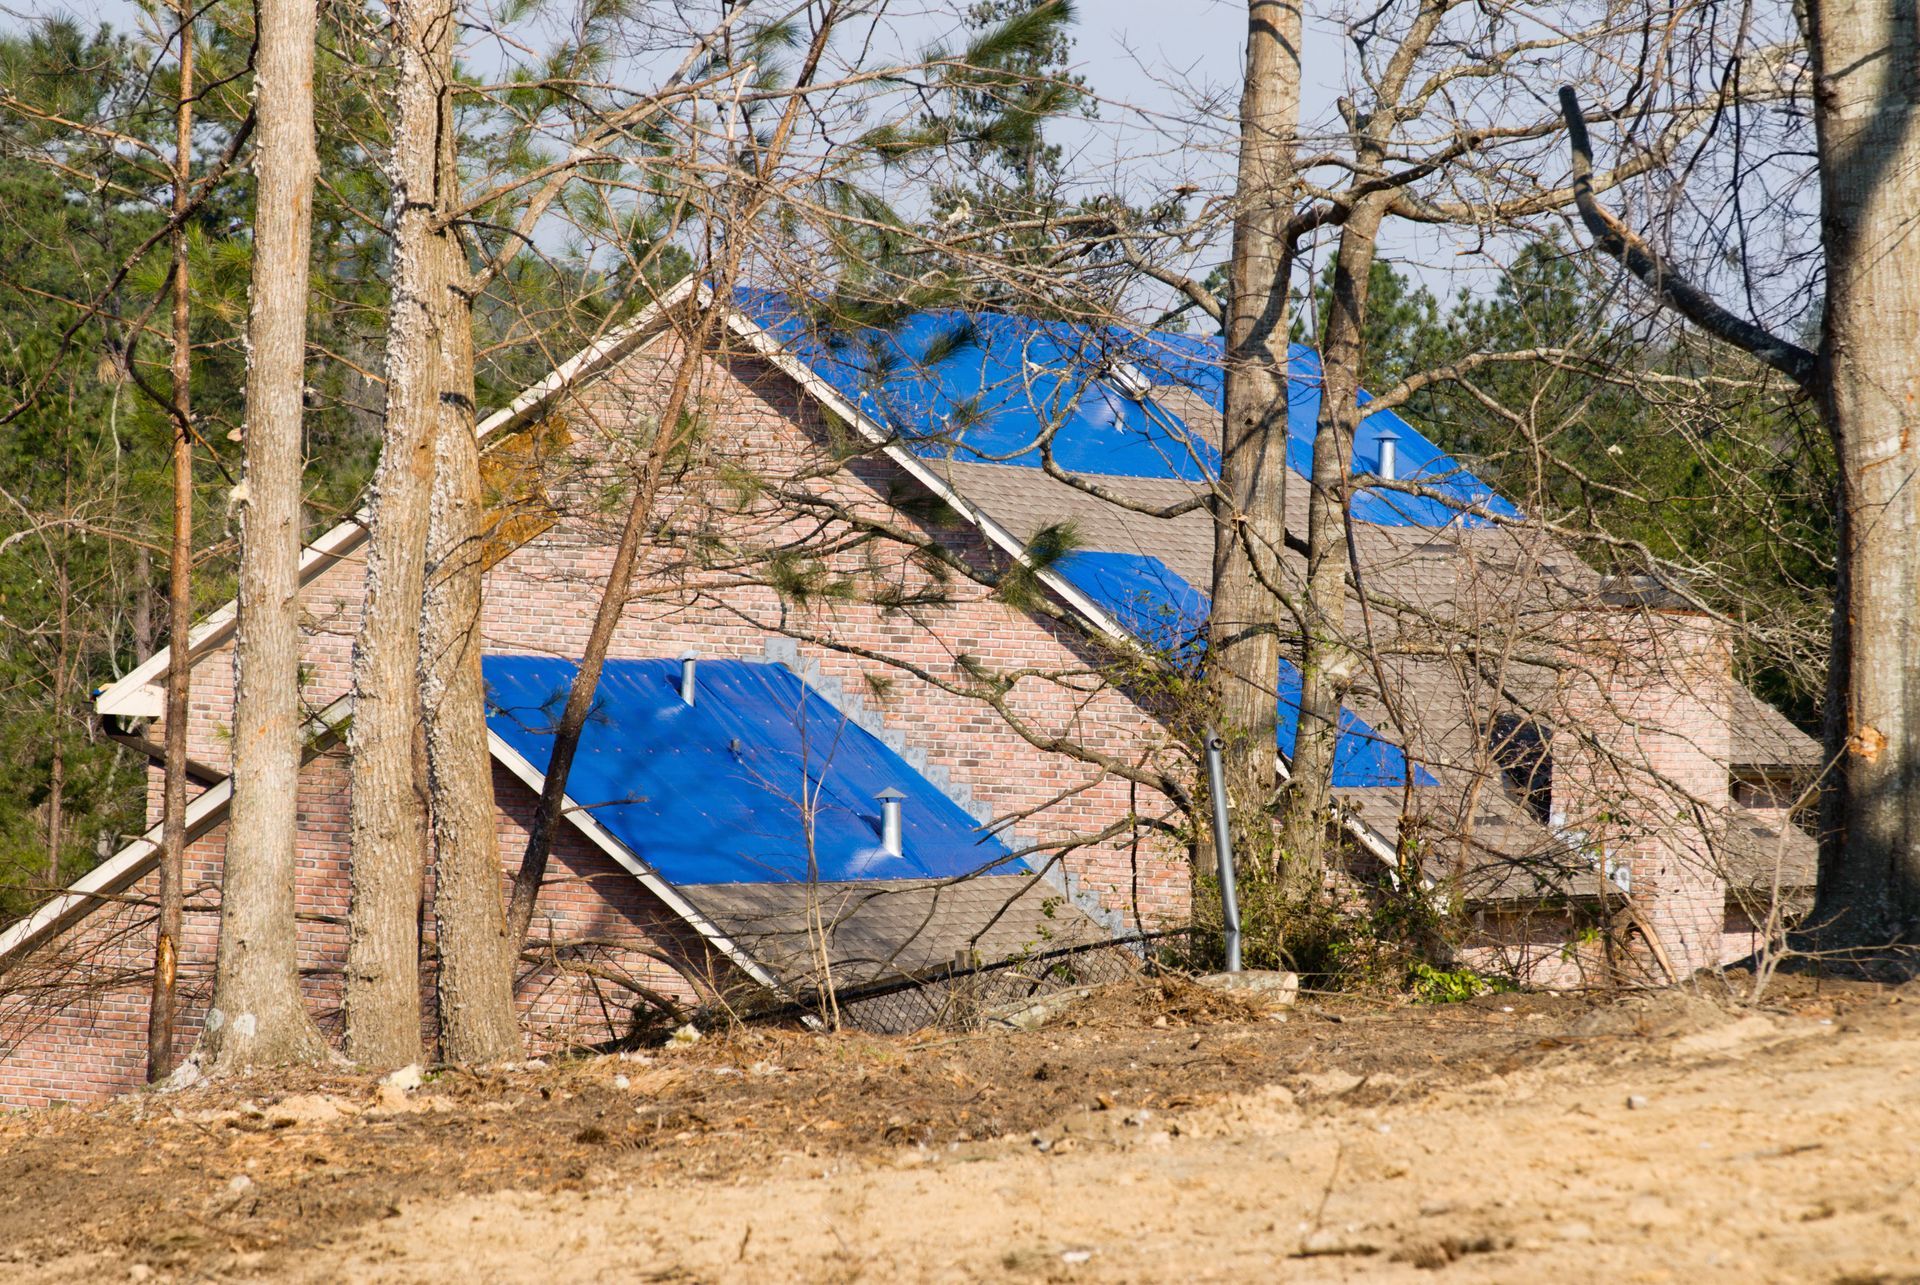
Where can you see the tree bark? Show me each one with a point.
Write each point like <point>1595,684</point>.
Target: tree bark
<point>389,806</point>
<point>62,666</point>
<point>1328,660</point>
<point>257,1017</point>
<point>1243,649</point>
<point>1869,148</point>
<point>478,1023</point>
<point>173,804</point>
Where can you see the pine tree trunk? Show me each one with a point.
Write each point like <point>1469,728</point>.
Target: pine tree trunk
<point>1869,145</point>
<point>478,959</point>
<point>1327,661</point>
<point>173,805</point>
<point>389,813</point>
<point>1243,651</point>
<point>62,665</point>
<point>257,1017</point>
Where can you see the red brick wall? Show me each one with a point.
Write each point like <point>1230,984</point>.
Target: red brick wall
<point>1653,689</point>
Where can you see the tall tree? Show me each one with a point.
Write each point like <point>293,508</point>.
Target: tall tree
<point>388,829</point>
<point>173,807</point>
<point>1864,57</point>
<point>1329,661</point>
<point>478,956</point>
<point>1869,165</point>
<point>257,1017</point>
<point>1006,196</point>
<point>1250,515</point>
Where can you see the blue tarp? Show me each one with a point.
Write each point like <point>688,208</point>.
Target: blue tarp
<point>1156,605</point>
<point>712,792</point>
<point>1149,599</point>
<point>992,387</point>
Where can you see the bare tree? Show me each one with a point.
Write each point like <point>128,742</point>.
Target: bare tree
<point>1863,57</point>
<point>478,1023</point>
<point>257,1016</point>
<point>1329,661</point>
<point>1869,887</point>
<point>389,800</point>
<point>173,807</point>
<point>1250,507</point>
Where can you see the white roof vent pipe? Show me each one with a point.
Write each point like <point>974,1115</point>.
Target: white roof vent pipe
<point>1389,469</point>
<point>1128,378</point>
<point>688,660</point>
<point>890,800</point>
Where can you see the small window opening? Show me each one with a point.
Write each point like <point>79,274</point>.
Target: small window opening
<point>1523,749</point>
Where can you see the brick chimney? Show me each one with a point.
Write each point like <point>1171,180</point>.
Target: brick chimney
<point>1642,756</point>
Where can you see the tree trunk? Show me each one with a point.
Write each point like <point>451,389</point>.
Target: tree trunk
<point>141,623</point>
<point>389,814</point>
<point>173,804</point>
<point>257,1017</point>
<point>1243,650</point>
<point>1869,146</point>
<point>62,668</point>
<point>1328,661</point>
<point>478,1023</point>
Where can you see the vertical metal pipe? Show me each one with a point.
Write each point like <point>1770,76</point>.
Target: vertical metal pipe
<point>688,660</point>
<point>890,820</point>
<point>1389,457</point>
<point>1223,851</point>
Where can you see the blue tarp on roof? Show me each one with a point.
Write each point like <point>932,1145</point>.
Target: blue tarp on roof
<point>1156,605</point>
<point>989,386</point>
<point>711,792</point>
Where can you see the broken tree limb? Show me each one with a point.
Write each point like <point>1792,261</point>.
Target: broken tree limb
<point>1672,289</point>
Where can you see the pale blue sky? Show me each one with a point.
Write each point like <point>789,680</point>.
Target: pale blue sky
<point>1166,71</point>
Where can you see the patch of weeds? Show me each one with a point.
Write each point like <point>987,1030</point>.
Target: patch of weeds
<point>1431,985</point>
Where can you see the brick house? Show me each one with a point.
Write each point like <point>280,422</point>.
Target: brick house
<point>945,537</point>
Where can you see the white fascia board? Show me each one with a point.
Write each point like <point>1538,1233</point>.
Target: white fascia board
<point>125,867</point>
<point>114,875</point>
<point>139,694</point>
<point>602,838</point>
<point>830,397</point>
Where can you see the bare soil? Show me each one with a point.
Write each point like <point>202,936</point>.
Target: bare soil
<point>1153,1132</point>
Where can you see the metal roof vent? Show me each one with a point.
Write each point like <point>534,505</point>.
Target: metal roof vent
<point>1128,378</point>
<point>1389,457</point>
<point>688,660</point>
<point>890,800</point>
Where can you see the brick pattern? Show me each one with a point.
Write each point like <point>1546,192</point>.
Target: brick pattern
<point>1652,689</point>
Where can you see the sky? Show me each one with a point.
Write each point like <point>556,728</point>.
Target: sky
<point>1166,73</point>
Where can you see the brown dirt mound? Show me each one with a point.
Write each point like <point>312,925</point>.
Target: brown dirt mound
<point>1657,1014</point>
<point>1168,1000</point>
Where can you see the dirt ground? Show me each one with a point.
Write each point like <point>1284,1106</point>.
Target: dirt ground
<point>1152,1133</point>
